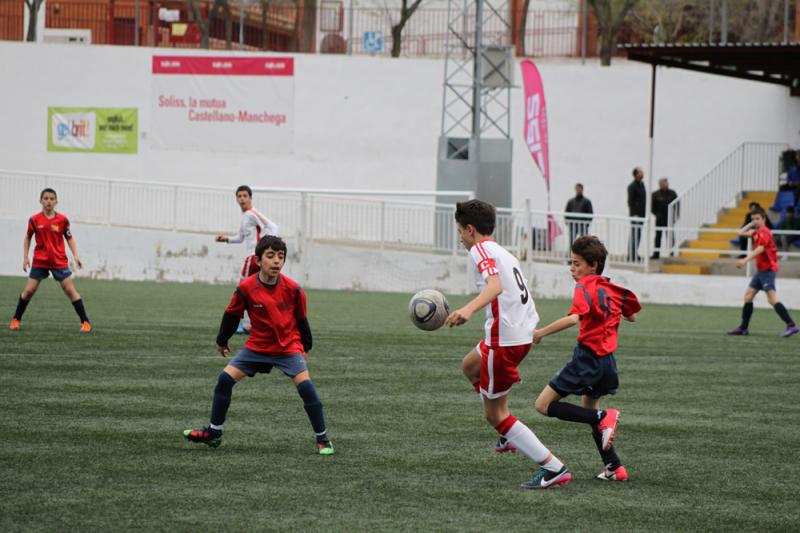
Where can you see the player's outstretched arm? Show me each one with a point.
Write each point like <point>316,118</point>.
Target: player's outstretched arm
<point>74,248</point>
<point>749,257</point>
<point>26,251</point>
<point>630,318</point>
<point>305,334</point>
<point>227,328</point>
<point>492,290</point>
<point>554,327</point>
<point>746,230</point>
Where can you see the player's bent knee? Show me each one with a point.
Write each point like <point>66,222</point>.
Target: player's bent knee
<point>542,405</point>
<point>233,372</point>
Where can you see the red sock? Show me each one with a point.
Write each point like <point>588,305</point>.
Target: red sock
<point>506,424</point>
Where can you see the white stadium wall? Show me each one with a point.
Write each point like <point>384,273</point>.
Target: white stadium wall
<point>135,254</point>
<point>363,122</point>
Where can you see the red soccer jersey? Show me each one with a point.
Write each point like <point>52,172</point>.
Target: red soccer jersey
<point>274,312</point>
<point>50,234</point>
<point>600,304</point>
<point>768,259</point>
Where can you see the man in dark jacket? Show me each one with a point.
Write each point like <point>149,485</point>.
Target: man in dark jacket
<point>637,198</point>
<point>660,208</point>
<point>578,226</point>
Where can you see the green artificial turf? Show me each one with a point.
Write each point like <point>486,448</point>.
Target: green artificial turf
<point>90,426</point>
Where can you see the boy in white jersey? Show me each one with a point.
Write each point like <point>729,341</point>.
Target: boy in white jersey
<point>511,317</point>
<point>252,228</point>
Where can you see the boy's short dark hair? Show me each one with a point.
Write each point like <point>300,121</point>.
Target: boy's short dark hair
<point>480,214</point>
<point>270,242</point>
<point>246,189</point>
<point>759,211</point>
<point>46,190</point>
<point>592,250</point>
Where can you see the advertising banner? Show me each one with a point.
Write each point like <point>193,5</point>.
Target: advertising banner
<point>536,134</point>
<point>92,129</point>
<point>224,104</point>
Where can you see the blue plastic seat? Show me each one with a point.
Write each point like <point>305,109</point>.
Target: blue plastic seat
<point>783,200</point>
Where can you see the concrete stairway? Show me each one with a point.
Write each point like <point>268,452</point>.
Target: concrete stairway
<point>690,261</point>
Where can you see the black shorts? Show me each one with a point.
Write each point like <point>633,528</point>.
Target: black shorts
<point>587,374</point>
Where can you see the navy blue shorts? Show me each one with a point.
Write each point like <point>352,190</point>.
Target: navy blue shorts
<point>763,281</point>
<point>39,273</point>
<point>587,374</point>
<point>251,363</point>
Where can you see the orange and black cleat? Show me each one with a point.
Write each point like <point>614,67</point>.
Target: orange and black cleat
<point>15,325</point>
<point>86,327</point>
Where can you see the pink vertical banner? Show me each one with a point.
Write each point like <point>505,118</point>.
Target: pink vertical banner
<point>536,133</point>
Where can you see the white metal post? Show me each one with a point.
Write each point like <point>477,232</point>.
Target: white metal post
<point>175,208</point>
<point>108,207</point>
<point>241,24</point>
<point>383,224</point>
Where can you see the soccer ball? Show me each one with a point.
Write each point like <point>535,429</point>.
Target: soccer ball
<point>428,309</point>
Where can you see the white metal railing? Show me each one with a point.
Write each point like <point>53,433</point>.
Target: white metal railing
<point>751,167</point>
<point>306,215</point>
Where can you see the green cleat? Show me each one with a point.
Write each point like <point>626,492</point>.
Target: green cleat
<point>203,436</point>
<point>325,448</point>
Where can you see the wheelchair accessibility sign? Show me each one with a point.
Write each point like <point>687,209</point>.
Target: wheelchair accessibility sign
<point>373,41</point>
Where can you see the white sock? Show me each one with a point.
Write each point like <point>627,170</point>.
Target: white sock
<point>553,465</point>
<point>246,321</point>
<point>527,443</point>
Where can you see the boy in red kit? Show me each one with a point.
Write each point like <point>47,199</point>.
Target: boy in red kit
<point>766,255</point>
<point>50,229</point>
<point>280,338</point>
<point>598,305</point>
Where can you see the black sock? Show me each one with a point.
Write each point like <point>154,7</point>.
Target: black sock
<point>609,456</point>
<point>313,407</point>
<point>784,314</point>
<point>573,413</point>
<point>78,305</point>
<point>747,312</point>
<point>222,399</point>
<point>21,306</point>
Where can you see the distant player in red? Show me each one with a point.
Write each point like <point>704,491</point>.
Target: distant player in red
<point>50,230</point>
<point>280,338</point>
<point>766,255</point>
<point>598,305</point>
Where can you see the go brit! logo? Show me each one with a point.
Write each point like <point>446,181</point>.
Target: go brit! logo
<point>74,130</point>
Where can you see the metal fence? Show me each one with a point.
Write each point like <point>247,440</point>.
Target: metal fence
<point>751,167</point>
<point>364,218</point>
<point>377,219</point>
<point>330,27</point>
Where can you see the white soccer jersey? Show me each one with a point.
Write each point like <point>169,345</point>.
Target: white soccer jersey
<point>511,317</point>
<point>253,226</point>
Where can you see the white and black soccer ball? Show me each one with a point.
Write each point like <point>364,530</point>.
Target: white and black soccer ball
<point>428,309</point>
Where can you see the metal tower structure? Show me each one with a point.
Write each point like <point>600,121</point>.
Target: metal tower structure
<point>475,144</point>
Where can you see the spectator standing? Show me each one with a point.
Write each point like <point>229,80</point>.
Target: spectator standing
<point>660,208</point>
<point>637,198</point>
<point>578,226</point>
<point>793,178</point>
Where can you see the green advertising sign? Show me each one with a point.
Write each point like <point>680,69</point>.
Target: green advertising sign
<point>92,129</point>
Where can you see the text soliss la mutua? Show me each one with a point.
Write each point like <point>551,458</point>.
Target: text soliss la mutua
<point>211,110</point>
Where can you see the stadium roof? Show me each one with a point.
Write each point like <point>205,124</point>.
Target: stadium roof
<point>768,62</point>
